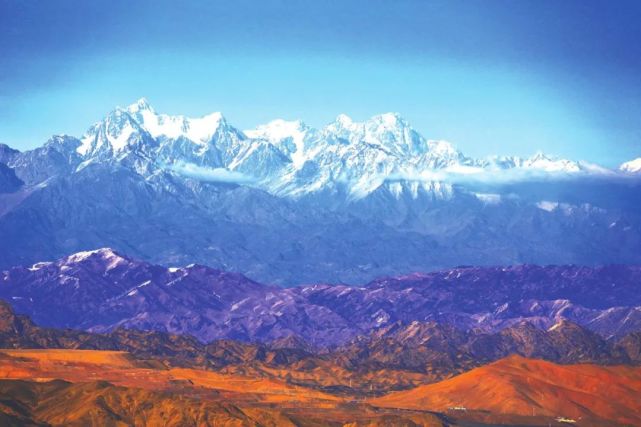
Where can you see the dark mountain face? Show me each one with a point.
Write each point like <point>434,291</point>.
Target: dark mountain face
<point>9,182</point>
<point>103,290</point>
<point>321,238</point>
<point>7,153</point>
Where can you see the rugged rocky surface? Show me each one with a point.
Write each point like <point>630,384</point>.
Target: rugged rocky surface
<point>87,387</point>
<point>442,350</point>
<point>59,403</point>
<point>435,350</point>
<point>103,290</point>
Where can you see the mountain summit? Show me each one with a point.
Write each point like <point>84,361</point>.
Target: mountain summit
<point>287,203</point>
<point>287,158</point>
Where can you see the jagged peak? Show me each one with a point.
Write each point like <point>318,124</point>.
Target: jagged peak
<point>101,253</point>
<point>278,129</point>
<point>563,325</point>
<point>62,140</point>
<point>343,119</point>
<point>390,120</point>
<point>387,120</point>
<point>540,155</point>
<point>140,105</point>
<point>550,163</point>
<point>282,123</point>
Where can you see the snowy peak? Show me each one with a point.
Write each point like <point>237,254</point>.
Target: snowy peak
<point>343,120</point>
<point>115,131</point>
<point>140,106</point>
<point>388,132</point>
<point>546,163</point>
<point>390,120</point>
<point>538,162</point>
<point>102,254</point>
<point>199,130</point>
<point>289,136</point>
<point>139,137</point>
<point>111,136</point>
<point>633,166</point>
<point>289,158</point>
<point>279,131</point>
<point>63,143</point>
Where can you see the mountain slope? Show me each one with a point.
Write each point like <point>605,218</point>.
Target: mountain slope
<point>289,204</point>
<point>99,403</point>
<point>532,387</point>
<point>9,182</point>
<point>102,290</point>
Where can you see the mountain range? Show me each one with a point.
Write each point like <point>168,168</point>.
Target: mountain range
<point>124,340</point>
<point>406,354</point>
<point>103,290</point>
<point>67,377</point>
<point>288,204</point>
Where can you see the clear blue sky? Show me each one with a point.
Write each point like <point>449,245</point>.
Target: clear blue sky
<point>493,77</point>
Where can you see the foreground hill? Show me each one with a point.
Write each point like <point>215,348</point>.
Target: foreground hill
<point>87,387</point>
<point>518,386</point>
<point>103,290</point>
<point>96,388</point>
<point>60,403</point>
<point>127,374</point>
<point>390,358</point>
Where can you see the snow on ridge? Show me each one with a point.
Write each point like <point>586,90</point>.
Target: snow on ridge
<point>633,166</point>
<point>106,253</point>
<point>196,129</point>
<point>289,158</point>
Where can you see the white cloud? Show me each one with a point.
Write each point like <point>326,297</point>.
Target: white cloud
<point>461,174</point>
<point>211,174</point>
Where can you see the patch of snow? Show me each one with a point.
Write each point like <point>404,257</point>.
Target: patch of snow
<point>235,306</point>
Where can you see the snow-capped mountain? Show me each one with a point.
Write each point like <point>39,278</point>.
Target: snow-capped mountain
<point>633,166</point>
<point>287,203</point>
<point>539,161</point>
<point>289,158</point>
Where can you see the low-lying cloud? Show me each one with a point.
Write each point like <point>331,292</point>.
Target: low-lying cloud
<point>460,174</point>
<point>202,173</point>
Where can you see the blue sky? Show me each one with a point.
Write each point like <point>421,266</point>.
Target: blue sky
<point>493,77</point>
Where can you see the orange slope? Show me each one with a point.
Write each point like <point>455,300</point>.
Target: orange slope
<point>120,368</point>
<point>116,359</point>
<point>520,386</point>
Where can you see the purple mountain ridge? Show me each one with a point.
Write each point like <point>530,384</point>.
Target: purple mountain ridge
<point>101,290</point>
